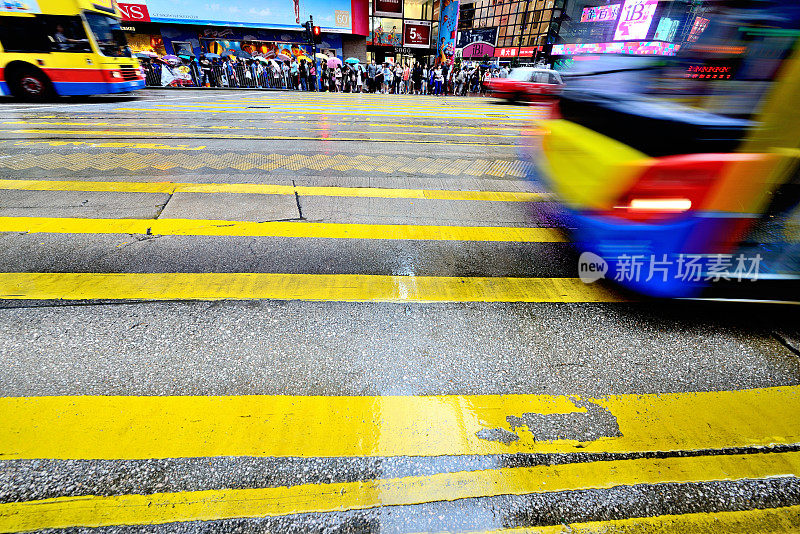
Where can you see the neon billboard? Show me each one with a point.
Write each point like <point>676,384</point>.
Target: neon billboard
<point>635,19</point>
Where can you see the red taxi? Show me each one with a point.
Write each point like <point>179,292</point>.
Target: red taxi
<point>526,83</point>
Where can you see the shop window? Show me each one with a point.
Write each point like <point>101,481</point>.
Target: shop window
<point>418,9</point>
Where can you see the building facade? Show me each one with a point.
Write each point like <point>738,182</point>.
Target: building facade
<point>402,31</point>
<point>195,27</point>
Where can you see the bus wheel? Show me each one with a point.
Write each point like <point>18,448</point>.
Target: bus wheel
<point>32,85</point>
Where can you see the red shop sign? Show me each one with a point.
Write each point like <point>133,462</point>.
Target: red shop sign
<point>529,51</point>
<point>417,34</point>
<point>134,12</point>
<point>505,52</point>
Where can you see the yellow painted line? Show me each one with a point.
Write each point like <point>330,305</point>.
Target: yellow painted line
<point>229,127</point>
<point>128,427</point>
<point>765,521</point>
<point>113,144</point>
<point>211,227</point>
<point>207,135</point>
<point>365,132</point>
<point>270,189</point>
<point>350,113</point>
<point>160,508</point>
<point>276,286</point>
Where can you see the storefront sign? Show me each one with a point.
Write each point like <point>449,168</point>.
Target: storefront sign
<point>404,50</point>
<point>389,8</point>
<point>417,34</point>
<point>334,16</point>
<point>529,51</point>
<point>635,48</point>
<point>448,22</point>
<point>486,35</point>
<point>600,13</point>
<point>635,19</point>
<point>505,52</point>
<point>478,49</point>
<point>134,12</point>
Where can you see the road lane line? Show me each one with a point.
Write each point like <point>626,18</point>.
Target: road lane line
<point>133,427</point>
<point>432,115</point>
<point>299,229</point>
<point>206,135</point>
<point>209,505</point>
<point>764,521</point>
<point>312,287</point>
<point>271,189</point>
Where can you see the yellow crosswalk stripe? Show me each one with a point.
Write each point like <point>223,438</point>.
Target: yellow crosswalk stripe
<point>781,520</point>
<point>160,508</point>
<point>210,227</point>
<point>207,135</point>
<point>433,114</point>
<point>279,286</point>
<point>270,189</point>
<point>130,427</point>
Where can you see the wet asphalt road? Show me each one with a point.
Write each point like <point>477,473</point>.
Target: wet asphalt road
<point>382,376</point>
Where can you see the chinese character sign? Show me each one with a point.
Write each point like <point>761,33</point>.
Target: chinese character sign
<point>635,19</point>
<point>448,22</point>
<point>600,13</point>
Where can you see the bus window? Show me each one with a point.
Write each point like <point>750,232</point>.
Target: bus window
<point>23,34</point>
<point>66,34</point>
<point>109,36</point>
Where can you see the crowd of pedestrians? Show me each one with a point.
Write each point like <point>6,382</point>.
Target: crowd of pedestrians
<point>333,75</point>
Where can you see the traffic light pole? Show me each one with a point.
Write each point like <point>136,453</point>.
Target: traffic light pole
<point>314,53</point>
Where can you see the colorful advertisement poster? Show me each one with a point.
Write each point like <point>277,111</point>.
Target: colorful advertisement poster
<point>635,48</point>
<point>666,29</point>
<point>386,32</point>
<point>698,27</point>
<point>635,19</point>
<point>330,15</point>
<point>417,34</point>
<point>388,8</point>
<point>448,22</point>
<point>600,13</point>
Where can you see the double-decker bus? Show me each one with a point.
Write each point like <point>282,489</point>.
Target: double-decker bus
<point>64,47</point>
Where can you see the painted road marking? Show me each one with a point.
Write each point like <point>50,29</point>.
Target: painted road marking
<point>384,164</point>
<point>432,115</point>
<point>304,129</point>
<point>206,135</point>
<point>770,520</point>
<point>111,144</point>
<point>160,508</point>
<point>271,189</point>
<point>488,128</point>
<point>314,287</point>
<point>130,427</point>
<point>226,228</point>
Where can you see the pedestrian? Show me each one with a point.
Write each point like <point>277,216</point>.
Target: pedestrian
<point>438,80</point>
<point>398,79</point>
<point>205,71</point>
<point>359,80</point>
<point>424,80</point>
<point>387,78</point>
<point>406,78</point>
<point>312,76</point>
<point>372,71</point>
<point>338,79</point>
<point>303,71</point>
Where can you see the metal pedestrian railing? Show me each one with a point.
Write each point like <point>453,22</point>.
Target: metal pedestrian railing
<point>239,75</point>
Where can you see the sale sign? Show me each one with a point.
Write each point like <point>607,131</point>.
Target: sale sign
<point>134,12</point>
<point>417,34</point>
<point>635,19</point>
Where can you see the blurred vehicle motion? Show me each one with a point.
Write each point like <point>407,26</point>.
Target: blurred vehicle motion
<point>65,48</point>
<point>526,83</point>
<point>690,161</point>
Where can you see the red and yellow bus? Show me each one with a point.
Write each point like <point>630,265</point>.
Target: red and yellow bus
<point>64,47</point>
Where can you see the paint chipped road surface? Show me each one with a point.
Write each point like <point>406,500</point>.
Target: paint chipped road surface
<point>275,312</point>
